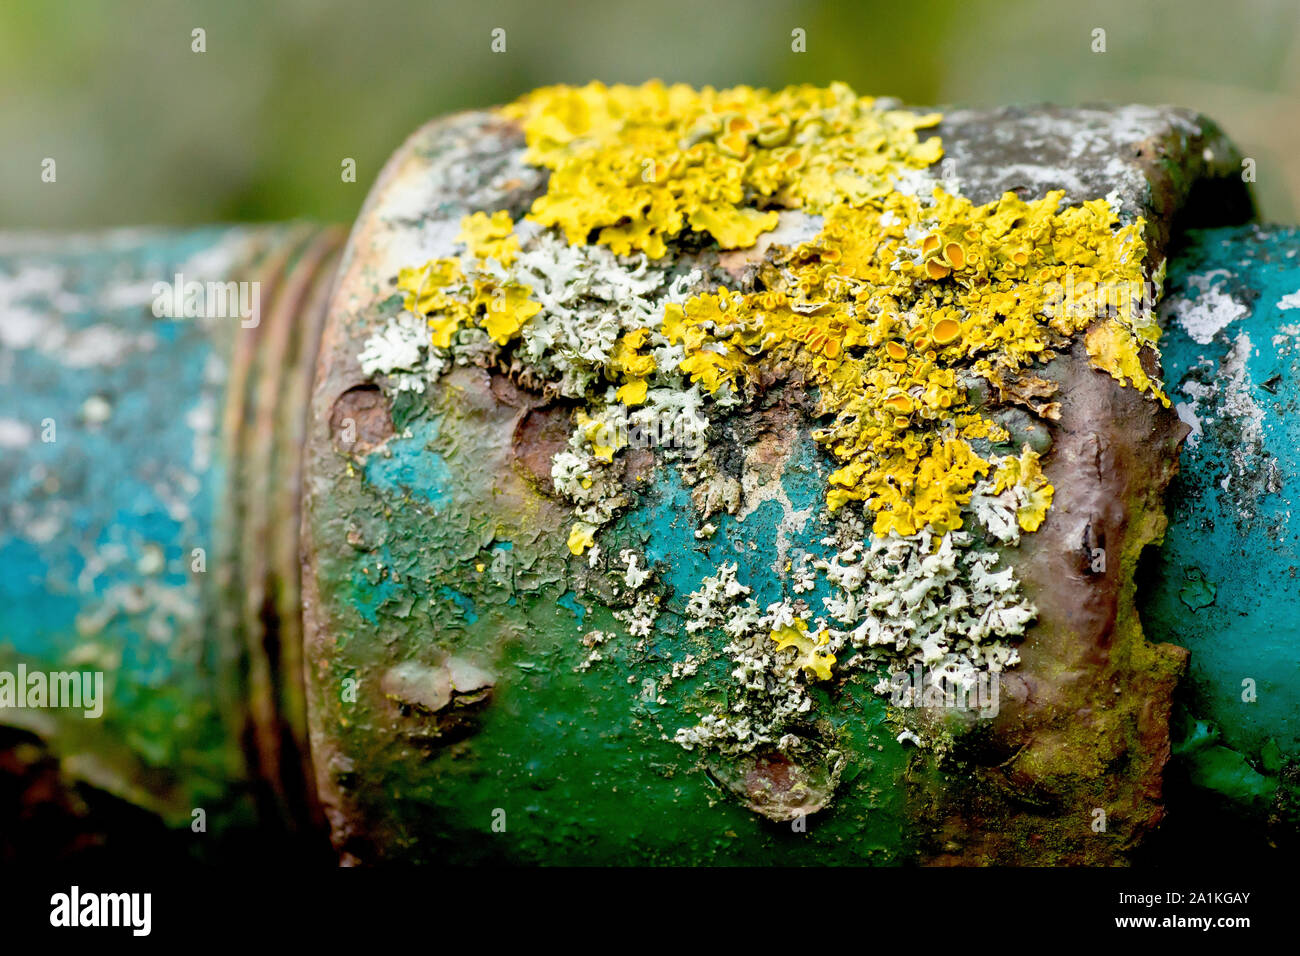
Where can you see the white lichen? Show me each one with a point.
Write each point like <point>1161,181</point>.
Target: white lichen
<point>930,600</point>
<point>634,576</point>
<point>402,352</point>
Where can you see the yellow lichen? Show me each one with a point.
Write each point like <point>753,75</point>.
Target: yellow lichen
<point>441,290</point>
<point>429,291</point>
<point>638,165</point>
<point>604,441</point>
<point>490,236</point>
<point>1026,473</point>
<point>627,358</point>
<point>581,537</point>
<point>505,310</point>
<point>889,313</point>
<point>889,335</point>
<point>633,392</point>
<point>1113,348</point>
<point>812,656</point>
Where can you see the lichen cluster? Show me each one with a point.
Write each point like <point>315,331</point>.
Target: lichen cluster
<point>922,599</point>
<point>890,313</point>
<point>638,166</point>
<point>908,317</point>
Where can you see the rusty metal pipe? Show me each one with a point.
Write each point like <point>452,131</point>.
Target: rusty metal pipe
<point>155,486</point>
<point>151,469</point>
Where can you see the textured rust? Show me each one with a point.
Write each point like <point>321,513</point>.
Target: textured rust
<point>541,433</point>
<point>1084,721</point>
<point>363,409</point>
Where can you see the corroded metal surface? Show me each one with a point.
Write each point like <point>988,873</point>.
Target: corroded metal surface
<point>447,686</point>
<point>1091,694</point>
<point>148,532</point>
<point>1226,585</point>
<point>469,698</point>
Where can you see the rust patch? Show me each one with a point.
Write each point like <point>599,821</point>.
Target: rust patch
<point>772,784</point>
<point>639,467</point>
<point>361,420</point>
<point>540,434</point>
<point>508,393</point>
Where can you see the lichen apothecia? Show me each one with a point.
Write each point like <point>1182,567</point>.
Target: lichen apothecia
<point>906,312</point>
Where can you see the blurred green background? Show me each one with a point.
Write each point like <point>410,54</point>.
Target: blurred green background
<point>145,131</point>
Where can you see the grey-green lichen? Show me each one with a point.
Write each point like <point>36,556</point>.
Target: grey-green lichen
<point>903,292</point>
<point>895,601</point>
<point>898,602</point>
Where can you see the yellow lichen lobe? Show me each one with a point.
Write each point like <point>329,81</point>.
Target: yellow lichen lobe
<point>602,439</point>
<point>429,290</point>
<point>490,236</point>
<point>1027,473</point>
<point>441,290</point>
<point>812,655</point>
<point>639,165</point>
<point>1114,348</point>
<point>581,537</point>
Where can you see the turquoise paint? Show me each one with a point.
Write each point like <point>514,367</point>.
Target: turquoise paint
<point>80,512</point>
<point>1226,583</point>
<point>373,586</point>
<point>665,524</point>
<point>569,601</point>
<point>412,466</point>
<point>82,517</point>
<point>467,609</point>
